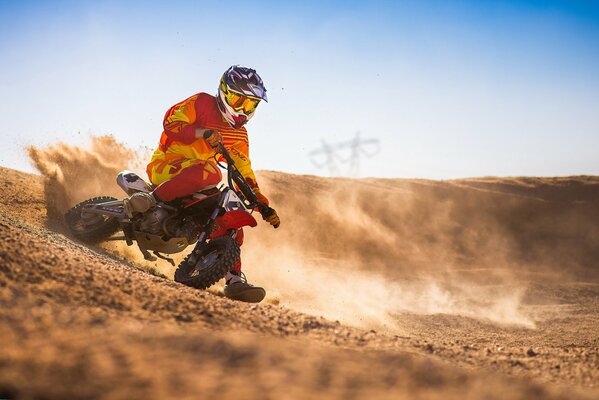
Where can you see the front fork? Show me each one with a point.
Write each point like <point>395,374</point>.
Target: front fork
<point>207,229</point>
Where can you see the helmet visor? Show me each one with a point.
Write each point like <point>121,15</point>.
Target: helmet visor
<point>241,102</point>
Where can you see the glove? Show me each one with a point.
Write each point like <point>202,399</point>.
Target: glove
<point>271,216</point>
<point>213,138</point>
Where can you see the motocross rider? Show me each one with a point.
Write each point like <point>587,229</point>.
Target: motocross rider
<point>184,163</point>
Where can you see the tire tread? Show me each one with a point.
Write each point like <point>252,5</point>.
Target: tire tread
<point>217,271</point>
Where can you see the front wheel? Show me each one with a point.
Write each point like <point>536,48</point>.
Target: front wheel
<point>91,227</point>
<point>217,258</point>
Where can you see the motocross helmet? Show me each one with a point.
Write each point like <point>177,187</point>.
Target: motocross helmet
<point>239,93</point>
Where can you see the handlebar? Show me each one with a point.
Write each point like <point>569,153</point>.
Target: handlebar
<point>233,175</point>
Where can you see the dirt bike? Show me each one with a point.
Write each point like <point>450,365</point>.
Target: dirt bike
<point>209,218</point>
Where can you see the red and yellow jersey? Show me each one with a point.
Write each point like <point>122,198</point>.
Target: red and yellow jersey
<point>178,137</point>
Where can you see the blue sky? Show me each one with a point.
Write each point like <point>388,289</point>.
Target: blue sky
<point>450,88</point>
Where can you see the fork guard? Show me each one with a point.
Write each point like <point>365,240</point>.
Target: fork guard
<point>232,220</point>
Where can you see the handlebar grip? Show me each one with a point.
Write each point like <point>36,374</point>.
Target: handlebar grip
<point>215,145</point>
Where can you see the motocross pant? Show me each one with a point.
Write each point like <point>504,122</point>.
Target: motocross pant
<point>176,177</point>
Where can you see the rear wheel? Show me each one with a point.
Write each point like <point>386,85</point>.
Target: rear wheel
<point>91,227</point>
<point>212,264</point>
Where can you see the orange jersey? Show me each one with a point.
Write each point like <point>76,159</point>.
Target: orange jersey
<point>178,138</point>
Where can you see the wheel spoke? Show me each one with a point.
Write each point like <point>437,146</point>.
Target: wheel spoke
<point>206,261</point>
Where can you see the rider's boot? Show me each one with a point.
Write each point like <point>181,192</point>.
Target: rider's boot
<point>237,288</point>
<point>139,202</point>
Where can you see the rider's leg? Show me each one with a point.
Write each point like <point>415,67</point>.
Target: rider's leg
<point>236,287</point>
<point>239,240</point>
<point>234,274</point>
<point>186,177</point>
<point>175,177</point>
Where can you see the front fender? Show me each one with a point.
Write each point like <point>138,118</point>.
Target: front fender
<point>232,220</point>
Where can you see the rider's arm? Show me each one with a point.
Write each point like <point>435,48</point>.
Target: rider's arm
<point>179,121</point>
<point>240,152</point>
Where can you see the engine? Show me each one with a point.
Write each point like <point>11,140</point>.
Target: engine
<point>162,222</point>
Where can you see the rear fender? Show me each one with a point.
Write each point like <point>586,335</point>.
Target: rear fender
<point>131,183</point>
<point>232,220</point>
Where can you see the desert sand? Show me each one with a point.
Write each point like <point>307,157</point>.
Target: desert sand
<point>482,288</point>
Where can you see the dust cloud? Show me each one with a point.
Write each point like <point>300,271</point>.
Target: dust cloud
<point>74,174</point>
<point>366,251</point>
<point>365,261</point>
<point>339,290</point>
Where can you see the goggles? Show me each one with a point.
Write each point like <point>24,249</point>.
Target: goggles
<point>239,101</point>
